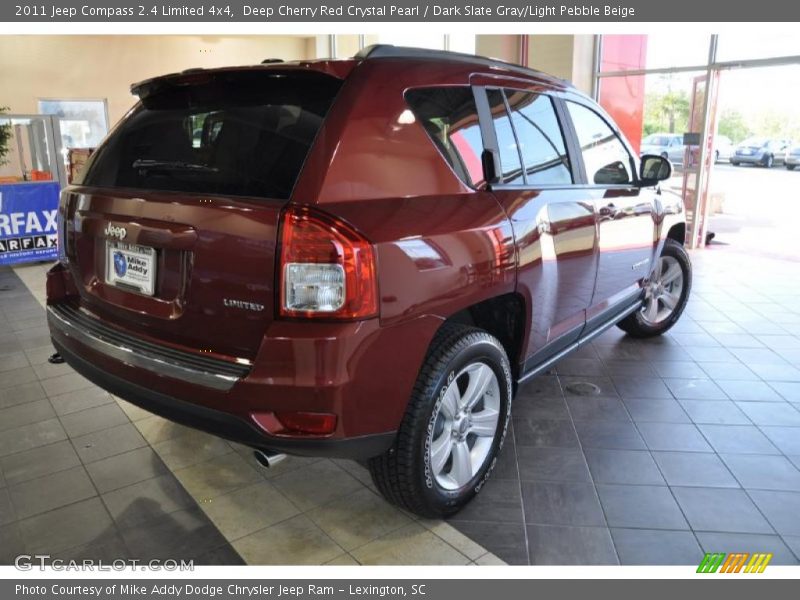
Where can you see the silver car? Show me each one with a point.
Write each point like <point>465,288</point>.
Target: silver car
<point>760,151</point>
<point>666,145</point>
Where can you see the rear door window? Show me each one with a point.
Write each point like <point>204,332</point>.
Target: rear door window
<point>540,140</point>
<point>237,133</point>
<point>510,159</point>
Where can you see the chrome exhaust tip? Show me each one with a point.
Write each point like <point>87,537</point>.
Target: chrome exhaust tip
<point>268,459</point>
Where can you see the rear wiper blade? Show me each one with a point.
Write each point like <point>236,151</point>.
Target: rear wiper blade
<point>171,165</point>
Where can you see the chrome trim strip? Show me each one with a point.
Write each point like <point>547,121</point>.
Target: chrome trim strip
<point>136,358</point>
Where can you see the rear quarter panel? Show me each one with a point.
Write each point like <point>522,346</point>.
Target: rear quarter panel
<point>441,245</point>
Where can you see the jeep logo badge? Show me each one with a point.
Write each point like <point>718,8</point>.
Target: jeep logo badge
<point>117,232</point>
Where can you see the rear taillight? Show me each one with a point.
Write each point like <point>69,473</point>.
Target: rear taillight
<point>327,268</point>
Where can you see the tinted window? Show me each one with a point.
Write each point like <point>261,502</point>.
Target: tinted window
<point>506,141</point>
<point>233,133</point>
<point>541,143</point>
<point>605,157</point>
<point>450,117</point>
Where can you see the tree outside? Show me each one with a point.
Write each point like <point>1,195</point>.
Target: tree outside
<point>5,137</point>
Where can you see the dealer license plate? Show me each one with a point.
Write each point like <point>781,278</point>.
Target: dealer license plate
<point>131,267</point>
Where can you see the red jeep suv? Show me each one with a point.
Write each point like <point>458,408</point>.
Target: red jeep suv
<point>360,258</point>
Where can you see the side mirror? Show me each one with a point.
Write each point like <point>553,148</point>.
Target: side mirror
<point>653,169</point>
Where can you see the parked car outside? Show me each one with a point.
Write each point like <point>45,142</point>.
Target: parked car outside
<point>760,151</point>
<point>723,148</point>
<point>361,258</point>
<point>666,145</point>
<point>792,158</point>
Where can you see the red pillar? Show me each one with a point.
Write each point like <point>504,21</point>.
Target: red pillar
<point>623,97</point>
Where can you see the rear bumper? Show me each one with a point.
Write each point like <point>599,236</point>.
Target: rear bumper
<point>66,321</point>
<point>751,159</point>
<point>220,423</point>
<point>793,160</point>
<point>361,372</point>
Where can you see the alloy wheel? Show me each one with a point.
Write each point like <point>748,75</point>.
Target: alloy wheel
<point>662,294</point>
<point>465,427</point>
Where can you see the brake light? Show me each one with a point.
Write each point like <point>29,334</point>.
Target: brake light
<point>327,268</point>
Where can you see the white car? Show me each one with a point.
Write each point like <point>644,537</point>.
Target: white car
<point>723,148</point>
<point>792,159</point>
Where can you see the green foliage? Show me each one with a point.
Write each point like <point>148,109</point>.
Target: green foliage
<point>731,123</point>
<point>666,112</point>
<point>778,125</point>
<point>5,138</point>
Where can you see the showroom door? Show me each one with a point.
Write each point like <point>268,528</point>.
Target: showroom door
<point>698,158</point>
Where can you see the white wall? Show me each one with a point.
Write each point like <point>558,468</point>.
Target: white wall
<point>504,47</point>
<point>569,57</point>
<point>82,66</point>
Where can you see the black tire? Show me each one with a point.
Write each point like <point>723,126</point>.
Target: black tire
<point>716,156</point>
<point>791,167</point>
<point>769,161</point>
<point>403,474</point>
<point>635,325</point>
<point>734,163</point>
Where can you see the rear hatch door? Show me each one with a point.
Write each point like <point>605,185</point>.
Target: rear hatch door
<point>171,233</point>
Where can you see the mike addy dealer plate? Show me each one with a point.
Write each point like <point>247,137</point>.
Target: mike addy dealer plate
<point>131,267</point>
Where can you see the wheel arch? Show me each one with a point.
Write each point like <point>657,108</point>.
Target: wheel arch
<point>502,316</point>
<point>678,233</point>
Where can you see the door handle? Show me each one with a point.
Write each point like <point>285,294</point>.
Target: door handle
<point>609,211</point>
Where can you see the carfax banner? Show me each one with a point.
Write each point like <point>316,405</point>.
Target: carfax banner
<point>28,229</point>
<point>411,11</point>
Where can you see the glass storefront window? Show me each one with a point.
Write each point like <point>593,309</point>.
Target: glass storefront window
<point>32,149</point>
<point>657,51</point>
<point>83,123</point>
<point>749,47</point>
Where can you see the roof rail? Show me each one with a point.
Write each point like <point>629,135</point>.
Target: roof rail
<point>271,61</point>
<point>390,51</point>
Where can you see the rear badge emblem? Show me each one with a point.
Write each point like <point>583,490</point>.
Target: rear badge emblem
<point>117,232</point>
<point>231,303</point>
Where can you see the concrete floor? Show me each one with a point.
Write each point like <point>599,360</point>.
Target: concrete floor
<point>688,443</point>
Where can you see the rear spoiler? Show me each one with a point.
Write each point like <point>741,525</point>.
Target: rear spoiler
<point>338,69</point>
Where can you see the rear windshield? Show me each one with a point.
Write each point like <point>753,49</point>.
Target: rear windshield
<point>231,133</point>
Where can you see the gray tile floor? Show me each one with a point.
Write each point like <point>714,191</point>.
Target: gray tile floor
<point>689,443</point>
<point>76,478</point>
<point>84,474</point>
<point>683,444</point>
